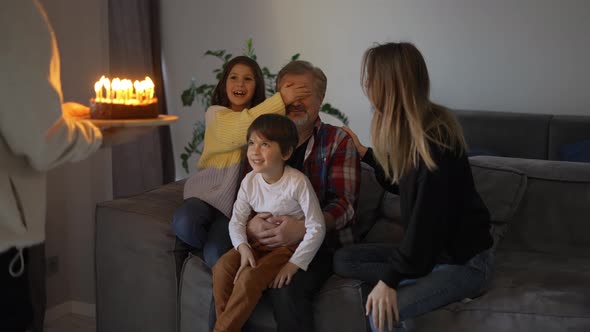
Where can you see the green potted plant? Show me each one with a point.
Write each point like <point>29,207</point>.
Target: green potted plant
<point>202,93</point>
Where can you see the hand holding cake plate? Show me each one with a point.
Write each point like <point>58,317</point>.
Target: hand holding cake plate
<point>122,110</point>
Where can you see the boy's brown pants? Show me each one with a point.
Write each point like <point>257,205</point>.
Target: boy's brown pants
<point>235,302</point>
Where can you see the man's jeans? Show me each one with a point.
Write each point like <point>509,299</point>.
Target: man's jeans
<point>444,285</point>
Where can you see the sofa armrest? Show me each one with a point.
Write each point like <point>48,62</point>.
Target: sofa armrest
<point>552,216</point>
<point>135,267</point>
<point>340,305</point>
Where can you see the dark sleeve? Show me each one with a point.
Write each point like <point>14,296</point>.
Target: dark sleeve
<point>427,225</point>
<point>370,160</point>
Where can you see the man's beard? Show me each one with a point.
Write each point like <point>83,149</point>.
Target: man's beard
<point>300,121</point>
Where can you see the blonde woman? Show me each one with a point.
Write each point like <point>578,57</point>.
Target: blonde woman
<point>419,153</point>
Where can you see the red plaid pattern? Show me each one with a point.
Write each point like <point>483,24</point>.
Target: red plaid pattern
<point>333,167</point>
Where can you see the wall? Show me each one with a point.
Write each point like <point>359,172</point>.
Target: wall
<point>504,55</point>
<point>74,189</point>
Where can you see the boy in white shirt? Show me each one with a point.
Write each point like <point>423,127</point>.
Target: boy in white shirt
<point>240,276</point>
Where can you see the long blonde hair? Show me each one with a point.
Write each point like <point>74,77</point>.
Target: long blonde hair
<point>405,122</point>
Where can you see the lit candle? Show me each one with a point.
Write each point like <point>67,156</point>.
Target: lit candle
<point>149,87</point>
<point>124,91</point>
<point>128,90</point>
<point>116,88</point>
<point>98,90</point>
<point>137,86</point>
<point>107,85</point>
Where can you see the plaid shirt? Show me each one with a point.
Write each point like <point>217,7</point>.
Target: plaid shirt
<point>332,165</point>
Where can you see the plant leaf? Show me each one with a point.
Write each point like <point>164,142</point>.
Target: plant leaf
<point>328,109</point>
<point>187,97</point>
<point>217,53</point>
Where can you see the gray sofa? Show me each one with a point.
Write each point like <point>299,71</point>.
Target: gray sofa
<point>541,214</point>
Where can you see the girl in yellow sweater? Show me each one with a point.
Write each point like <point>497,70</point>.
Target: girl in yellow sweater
<point>239,98</point>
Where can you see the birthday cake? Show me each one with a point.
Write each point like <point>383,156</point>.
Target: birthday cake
<point>111,111</point>
<point>122,99</point>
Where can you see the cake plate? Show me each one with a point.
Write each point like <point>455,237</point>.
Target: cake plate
<point>161,120</point>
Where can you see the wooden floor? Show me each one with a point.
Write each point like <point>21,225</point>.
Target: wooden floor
<point>71,323</point>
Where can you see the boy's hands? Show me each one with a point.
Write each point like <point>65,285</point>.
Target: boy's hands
<point>284,276</point>
<point>258,224</point>
<point>292,93</point>
<point>247,258</point>
<point>289,231</point>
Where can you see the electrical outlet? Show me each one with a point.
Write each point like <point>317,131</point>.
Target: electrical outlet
<point>52,265</point>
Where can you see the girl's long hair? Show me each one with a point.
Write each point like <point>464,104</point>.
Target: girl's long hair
<point>405,122</point>
<point>219,96</point>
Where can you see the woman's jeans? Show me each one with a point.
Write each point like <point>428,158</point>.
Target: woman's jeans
<point>444,285</point>
<point>203,227</point>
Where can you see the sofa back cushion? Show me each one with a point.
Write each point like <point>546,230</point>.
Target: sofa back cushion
<point>501,187</point>
<point>576,152</point>
<point>569,138</point>
<point>554,214</point>
<point>367,209</point>
<point>517,135</point>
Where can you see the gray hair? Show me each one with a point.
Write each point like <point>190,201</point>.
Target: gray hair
<point>300,67</point>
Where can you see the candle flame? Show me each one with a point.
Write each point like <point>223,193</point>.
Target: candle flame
<point>123,91</point>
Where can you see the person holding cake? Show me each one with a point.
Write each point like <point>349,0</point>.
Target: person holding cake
<point>38,132</point>
<point>202,220</point>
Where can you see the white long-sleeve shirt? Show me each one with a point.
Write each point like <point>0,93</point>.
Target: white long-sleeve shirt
<point>292,195</point>
<point>34,137</point>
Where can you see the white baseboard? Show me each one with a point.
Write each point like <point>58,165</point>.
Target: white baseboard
<point>57,311</point>
<point>84,309</point>
<point>70,307</point>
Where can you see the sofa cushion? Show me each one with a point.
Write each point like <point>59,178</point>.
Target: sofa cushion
<point>194,296</point>
<point>553,216</point>
<point>501,187</point>
<point>576,152</point>
<point>390,207</point>
<point>545,284</point>
<point>530,292</point>
<point>522,135</point>
<point>474,151</point>
<point>159,203</point>
<point>385,231</point>
<point>337,297</point>
<point>565,130</point>
<point>367,209</point>
<point>340,298</point>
